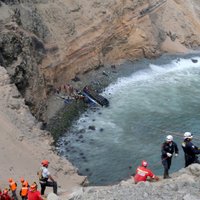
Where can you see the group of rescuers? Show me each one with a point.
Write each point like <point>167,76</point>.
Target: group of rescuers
<point>169,147</point>
<point>30,192</point>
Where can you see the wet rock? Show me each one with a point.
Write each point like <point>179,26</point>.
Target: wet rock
<point>194,60</point>
<point>66,142</point>
<point>80,136</point>
<point>81,131</point>
<point>92,128</point>
<point>113,67</point>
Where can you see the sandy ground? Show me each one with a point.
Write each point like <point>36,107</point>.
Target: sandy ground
<point>23,145</point>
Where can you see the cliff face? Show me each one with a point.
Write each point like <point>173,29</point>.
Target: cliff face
<point>45,43</point>
<point>183,185</point>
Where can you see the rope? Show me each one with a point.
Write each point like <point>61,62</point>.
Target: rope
<point>163,131</point>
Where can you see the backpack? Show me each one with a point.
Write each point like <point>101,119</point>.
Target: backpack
<point>39,173</point>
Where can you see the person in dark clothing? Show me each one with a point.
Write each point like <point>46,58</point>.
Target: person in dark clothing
<point>168,148</point>
<point>190,150</point>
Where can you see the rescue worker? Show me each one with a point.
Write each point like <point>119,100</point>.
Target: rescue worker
<point>142,173</point>
<point>190,150</point>
<point>24,182</point>
<point>33,193</point>
<point>24,190</point>
<point>13,188</point>
<point>168,148</point>
<point>5,195</point>
<point>45,175</point>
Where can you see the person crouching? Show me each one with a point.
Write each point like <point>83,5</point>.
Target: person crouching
<point>142,173</point>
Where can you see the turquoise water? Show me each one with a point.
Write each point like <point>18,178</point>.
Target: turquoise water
<point>145,106</point>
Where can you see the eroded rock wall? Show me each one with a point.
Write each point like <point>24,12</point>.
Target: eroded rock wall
<point>45,43</point>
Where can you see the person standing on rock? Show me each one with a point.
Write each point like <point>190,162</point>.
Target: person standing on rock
<point>190,150</point>
<point>142,173</point>
<point>45,175</point>
<point>168,148</point>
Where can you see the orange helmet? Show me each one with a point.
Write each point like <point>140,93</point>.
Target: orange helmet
<point>25,183</point>
<point>45,162</point>
<point>22,180</point>
<point>10,180</point>
<point>33,186</point>
<point>144,163</point>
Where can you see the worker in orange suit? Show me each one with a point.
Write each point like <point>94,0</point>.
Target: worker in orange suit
<point>13,188</point>
<point>24,182</point>
<point>142,173</point>
<point>24,190</point>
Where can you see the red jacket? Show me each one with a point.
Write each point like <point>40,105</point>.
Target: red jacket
<point>142,173</point>
<point>34,195</point>
<point>5,197</point>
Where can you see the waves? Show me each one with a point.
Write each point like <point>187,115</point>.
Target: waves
<point>165,95</point>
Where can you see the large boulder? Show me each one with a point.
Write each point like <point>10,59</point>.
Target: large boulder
<point>52,196</point>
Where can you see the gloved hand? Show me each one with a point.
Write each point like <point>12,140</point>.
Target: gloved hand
<point>176,155</point>
<point>169,155</point>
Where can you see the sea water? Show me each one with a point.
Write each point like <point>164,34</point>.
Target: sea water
<point>145,106</point>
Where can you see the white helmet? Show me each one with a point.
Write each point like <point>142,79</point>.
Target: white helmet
<point>169,138</point>
<point>188,135</point>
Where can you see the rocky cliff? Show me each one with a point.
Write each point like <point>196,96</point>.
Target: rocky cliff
<point>45,43</point>
<point>183,185</point>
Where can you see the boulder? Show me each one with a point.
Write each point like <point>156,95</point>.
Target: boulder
<point>52,196</point>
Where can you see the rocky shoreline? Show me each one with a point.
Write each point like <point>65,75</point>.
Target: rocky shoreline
<point>61,115</point>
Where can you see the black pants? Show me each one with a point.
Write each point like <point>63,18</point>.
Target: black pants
<point>191,159</point>
<point>166,164</point>
<point>48,184</point>
<point>14,195</point>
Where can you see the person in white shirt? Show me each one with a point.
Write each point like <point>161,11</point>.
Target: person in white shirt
<point>45,176</point>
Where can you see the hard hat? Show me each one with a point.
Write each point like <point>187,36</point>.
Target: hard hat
<point>21,180</point>
<point>144,163</point>
<point>188,135</point>
<point>33,187</point>
<point>169,138</point>
<point>25,184</point>
<point>10,180</point>
<point>45,162</point>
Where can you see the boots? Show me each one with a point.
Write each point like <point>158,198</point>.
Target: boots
<point>166,174</point>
